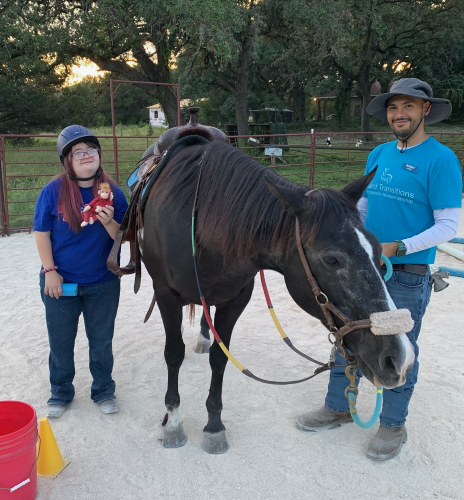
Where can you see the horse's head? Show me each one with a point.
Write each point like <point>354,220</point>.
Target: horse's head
<point>345,260</point>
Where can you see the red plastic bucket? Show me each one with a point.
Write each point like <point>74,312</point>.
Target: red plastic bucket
<point>18,451</point>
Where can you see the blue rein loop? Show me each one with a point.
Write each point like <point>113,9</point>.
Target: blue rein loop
<point>352,391</point>
<point>354,412</point>
<point>389,272</point>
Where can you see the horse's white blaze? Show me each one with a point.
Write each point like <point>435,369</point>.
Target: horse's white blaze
<point>370,252</point>
<point>407,346</point>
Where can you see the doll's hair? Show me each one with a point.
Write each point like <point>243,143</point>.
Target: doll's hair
<point>104,186</point>
<point>70,200</point>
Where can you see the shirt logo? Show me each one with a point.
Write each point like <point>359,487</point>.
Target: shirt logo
<point>386,177</point>
<point>410,168</point>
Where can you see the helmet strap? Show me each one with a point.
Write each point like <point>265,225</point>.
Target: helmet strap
<point>96,174</point>
<point>405,141</point>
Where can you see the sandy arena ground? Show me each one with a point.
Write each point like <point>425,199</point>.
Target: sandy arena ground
<point>120,457</point>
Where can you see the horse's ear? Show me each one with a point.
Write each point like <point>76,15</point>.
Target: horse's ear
<point>287,196</point>
<point>356,188</point>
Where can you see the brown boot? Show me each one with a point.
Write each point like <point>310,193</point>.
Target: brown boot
<point>319,420</point>
<point>387,443</point>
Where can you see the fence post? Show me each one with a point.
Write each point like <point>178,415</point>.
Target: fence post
<point>5,214</point>
<point>348,160</point>
<point>115,139</point>
<point>312,159</point>
<point>178,106</point>
<point>2,200</point>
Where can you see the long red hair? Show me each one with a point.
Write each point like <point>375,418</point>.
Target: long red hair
<point>70,199</point>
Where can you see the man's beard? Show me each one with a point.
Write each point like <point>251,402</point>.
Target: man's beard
<point>404,133</point>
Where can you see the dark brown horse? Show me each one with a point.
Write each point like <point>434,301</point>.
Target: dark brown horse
<point>245,221</point>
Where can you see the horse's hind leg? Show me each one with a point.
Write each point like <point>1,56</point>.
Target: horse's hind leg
<point>214,435</point>
<point>174,351</point>
<point>203,342</point>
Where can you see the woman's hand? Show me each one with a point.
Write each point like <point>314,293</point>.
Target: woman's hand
<point>106,215</point>
<point>106,218</point>
<point>52,286</point>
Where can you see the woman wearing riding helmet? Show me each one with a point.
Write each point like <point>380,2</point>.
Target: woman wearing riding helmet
<point>72,254</point>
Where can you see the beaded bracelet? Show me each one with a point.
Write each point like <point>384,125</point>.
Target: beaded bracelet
<point>54,268</point>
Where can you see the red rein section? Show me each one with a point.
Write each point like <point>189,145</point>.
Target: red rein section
<point>210,323</point>
<point>208,317</point>
<point>266,293</point>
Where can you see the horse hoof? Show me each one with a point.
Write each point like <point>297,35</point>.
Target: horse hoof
<point>203,345</point>
<point>215,444</point>
<point>174,438</point>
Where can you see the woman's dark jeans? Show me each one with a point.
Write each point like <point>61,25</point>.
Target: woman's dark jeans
<point>99,305</point>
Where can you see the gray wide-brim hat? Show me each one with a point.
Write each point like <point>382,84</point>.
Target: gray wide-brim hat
<point>441,108</point>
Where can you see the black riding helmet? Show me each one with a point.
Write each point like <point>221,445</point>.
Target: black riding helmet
<point>73,135</point>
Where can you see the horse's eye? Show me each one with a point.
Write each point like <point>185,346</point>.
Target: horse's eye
<point>331,260</point>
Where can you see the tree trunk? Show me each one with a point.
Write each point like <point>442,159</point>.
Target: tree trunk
<point>168,102</point>
<point>299,102</point>
<point>166,96</point>
<point>343,102</point>
<point>365,90</point>
<point>364,82</point>
<point>241,90</point>
<point>241,113</point>
<point>160,73</point>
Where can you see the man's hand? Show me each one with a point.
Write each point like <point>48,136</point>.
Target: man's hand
<point>389,249</point>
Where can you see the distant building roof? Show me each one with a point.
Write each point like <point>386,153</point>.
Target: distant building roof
<point>375,91</point>
<point>183,103</point>
<point>271,109</point>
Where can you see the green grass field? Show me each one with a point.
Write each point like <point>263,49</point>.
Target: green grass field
<point>31,164</point>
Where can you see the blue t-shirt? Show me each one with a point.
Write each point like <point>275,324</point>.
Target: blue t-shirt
<point>80,257</point>
<point>407,188</point>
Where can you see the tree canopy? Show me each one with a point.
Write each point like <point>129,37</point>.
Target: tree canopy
<point>237,54</point>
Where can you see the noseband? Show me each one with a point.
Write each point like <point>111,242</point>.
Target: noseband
<point>327,307</point>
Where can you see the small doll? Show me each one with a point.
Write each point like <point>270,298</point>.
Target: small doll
<point>104,198</point>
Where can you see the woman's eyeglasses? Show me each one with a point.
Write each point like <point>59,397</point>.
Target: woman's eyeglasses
<point>78,155</point>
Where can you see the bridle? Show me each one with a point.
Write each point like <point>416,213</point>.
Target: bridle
<point>328,309</point>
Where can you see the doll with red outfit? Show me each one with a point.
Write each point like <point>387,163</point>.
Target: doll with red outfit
<point>104,198</point>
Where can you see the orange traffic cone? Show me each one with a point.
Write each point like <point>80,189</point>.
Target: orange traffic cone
<point>50,462</point>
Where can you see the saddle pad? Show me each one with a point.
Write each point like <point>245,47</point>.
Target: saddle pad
<point>177,147</point>
<point>137,175</point>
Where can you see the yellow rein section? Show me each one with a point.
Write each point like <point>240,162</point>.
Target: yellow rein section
<point>230,357</point>
<point>277,324</point>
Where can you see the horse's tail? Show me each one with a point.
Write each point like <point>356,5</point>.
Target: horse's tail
<point>191,313</point>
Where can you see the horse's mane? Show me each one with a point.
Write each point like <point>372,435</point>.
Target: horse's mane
<point>237,215</point>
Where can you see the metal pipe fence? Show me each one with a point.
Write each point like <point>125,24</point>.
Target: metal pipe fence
<point>28,162</point>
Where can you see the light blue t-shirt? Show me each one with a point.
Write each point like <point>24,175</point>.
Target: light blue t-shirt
<point>407,188</point>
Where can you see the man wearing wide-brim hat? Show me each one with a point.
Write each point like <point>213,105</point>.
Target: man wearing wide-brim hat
<point>412,205</point>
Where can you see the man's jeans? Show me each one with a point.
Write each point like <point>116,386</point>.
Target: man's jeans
<point>408,291</point>
<point>99,305</point>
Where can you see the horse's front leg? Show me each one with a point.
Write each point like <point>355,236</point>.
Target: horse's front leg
<point>214,434</point>
<point>171,312</point>
<point>203,343</point>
